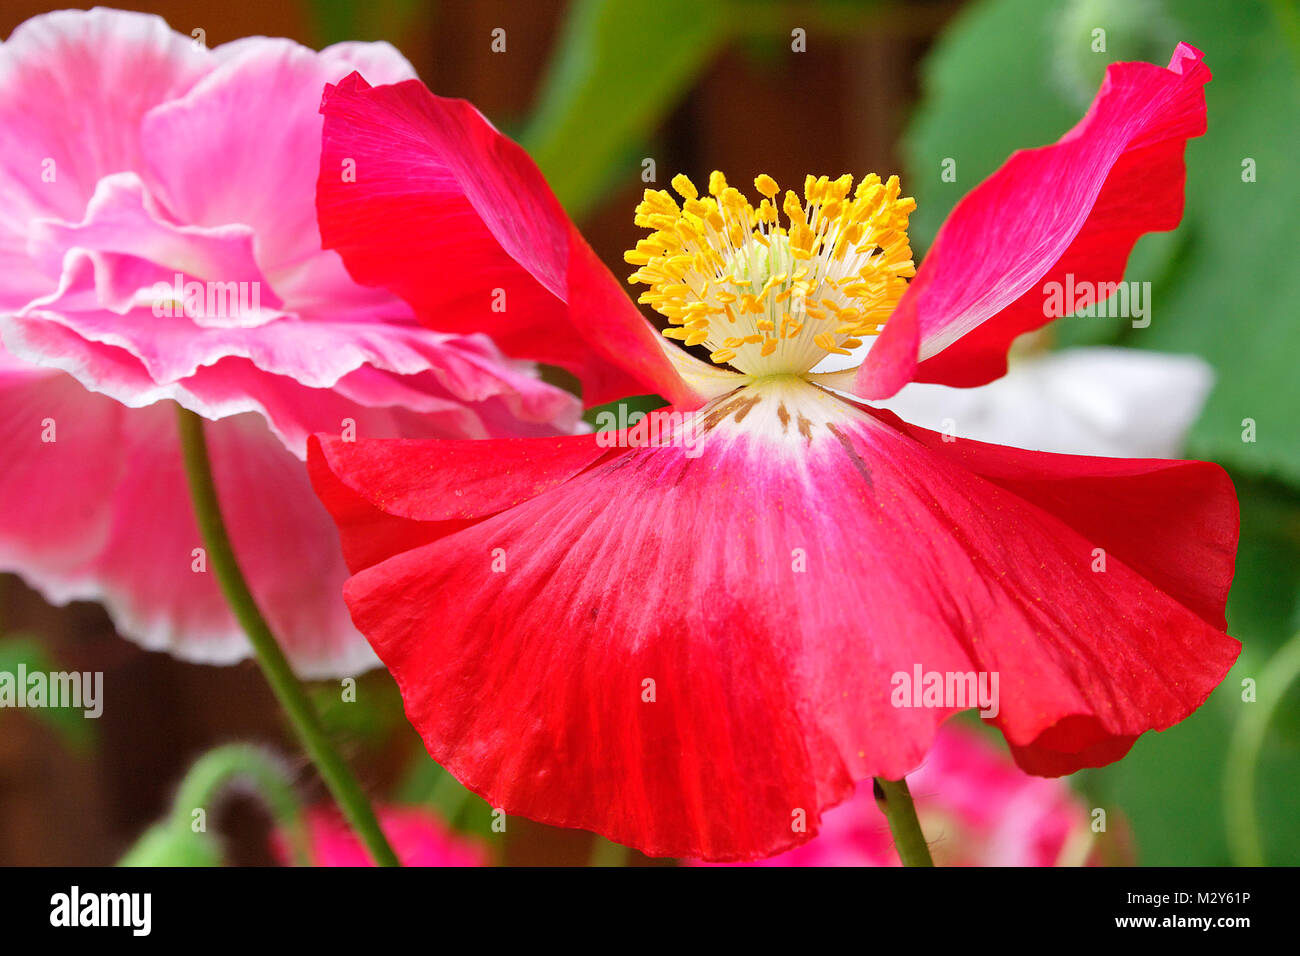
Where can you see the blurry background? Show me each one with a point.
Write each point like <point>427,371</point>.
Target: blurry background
<point>595,88</point>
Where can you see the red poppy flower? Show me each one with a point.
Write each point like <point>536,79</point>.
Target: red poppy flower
<point>688,638</point>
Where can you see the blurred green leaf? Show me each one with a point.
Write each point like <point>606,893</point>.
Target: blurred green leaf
<point>1169,787</point>
<point>366,708</point>
<point>619,67</point>
<point>1231,297</point>
<point>337,21</point>
<point>1010,74</point>
<point>70,723</point>
<point>986,93</point>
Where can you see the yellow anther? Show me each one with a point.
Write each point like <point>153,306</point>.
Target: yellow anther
<point>792,208</point>
<point>717,183</point>
<point>685,188</point>
<point>827,341</point>
<point>766,185</point>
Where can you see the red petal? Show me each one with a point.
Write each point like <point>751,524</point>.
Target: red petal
<point>1075,207</point>
<point>1124,506</point>
<point>449,214</point>
<point>392,495</point>
<point>772,687</point>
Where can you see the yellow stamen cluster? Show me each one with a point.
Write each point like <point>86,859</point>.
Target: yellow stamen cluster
<point>765,297</point>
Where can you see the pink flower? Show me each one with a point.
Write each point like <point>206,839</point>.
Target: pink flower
<point>417,836</point>
<point>976,809</point>
<point>158,241</point>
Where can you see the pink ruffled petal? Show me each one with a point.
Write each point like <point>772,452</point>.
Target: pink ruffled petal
<point>73,88</point>
<point>151,258</point>
<point>143,566</point>
<point>421,195</point>
<point>296,412</point>
<point>243,146</point>
<point>1076,207</point>
<point>102,512</point>
<point>282,539</point>
<point>57,444</point>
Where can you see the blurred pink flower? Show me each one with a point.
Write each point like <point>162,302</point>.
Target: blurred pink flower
<point>158,241</point>
<point>418,838</point>
<point>976,809</point>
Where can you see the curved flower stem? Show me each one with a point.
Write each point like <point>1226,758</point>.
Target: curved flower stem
<point>284,683</point>
<point>895,801</point>
<point>220,768</point>
<point>1244,840</point>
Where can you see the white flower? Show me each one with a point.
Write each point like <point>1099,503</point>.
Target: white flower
<point>1106,401</point>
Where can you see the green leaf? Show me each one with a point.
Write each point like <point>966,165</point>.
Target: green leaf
<point>619,67</point>
<point>1233,295</point>
<point>1169,788</point>
<point>986,92</point>
<point>70,723</point>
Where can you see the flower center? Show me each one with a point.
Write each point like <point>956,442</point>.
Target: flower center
<point>767,298</point>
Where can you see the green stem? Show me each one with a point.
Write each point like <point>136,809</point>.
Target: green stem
<point>285,685</point>
<point>1244,841</point>
<point>895,802</point>
<point>218,769</point>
